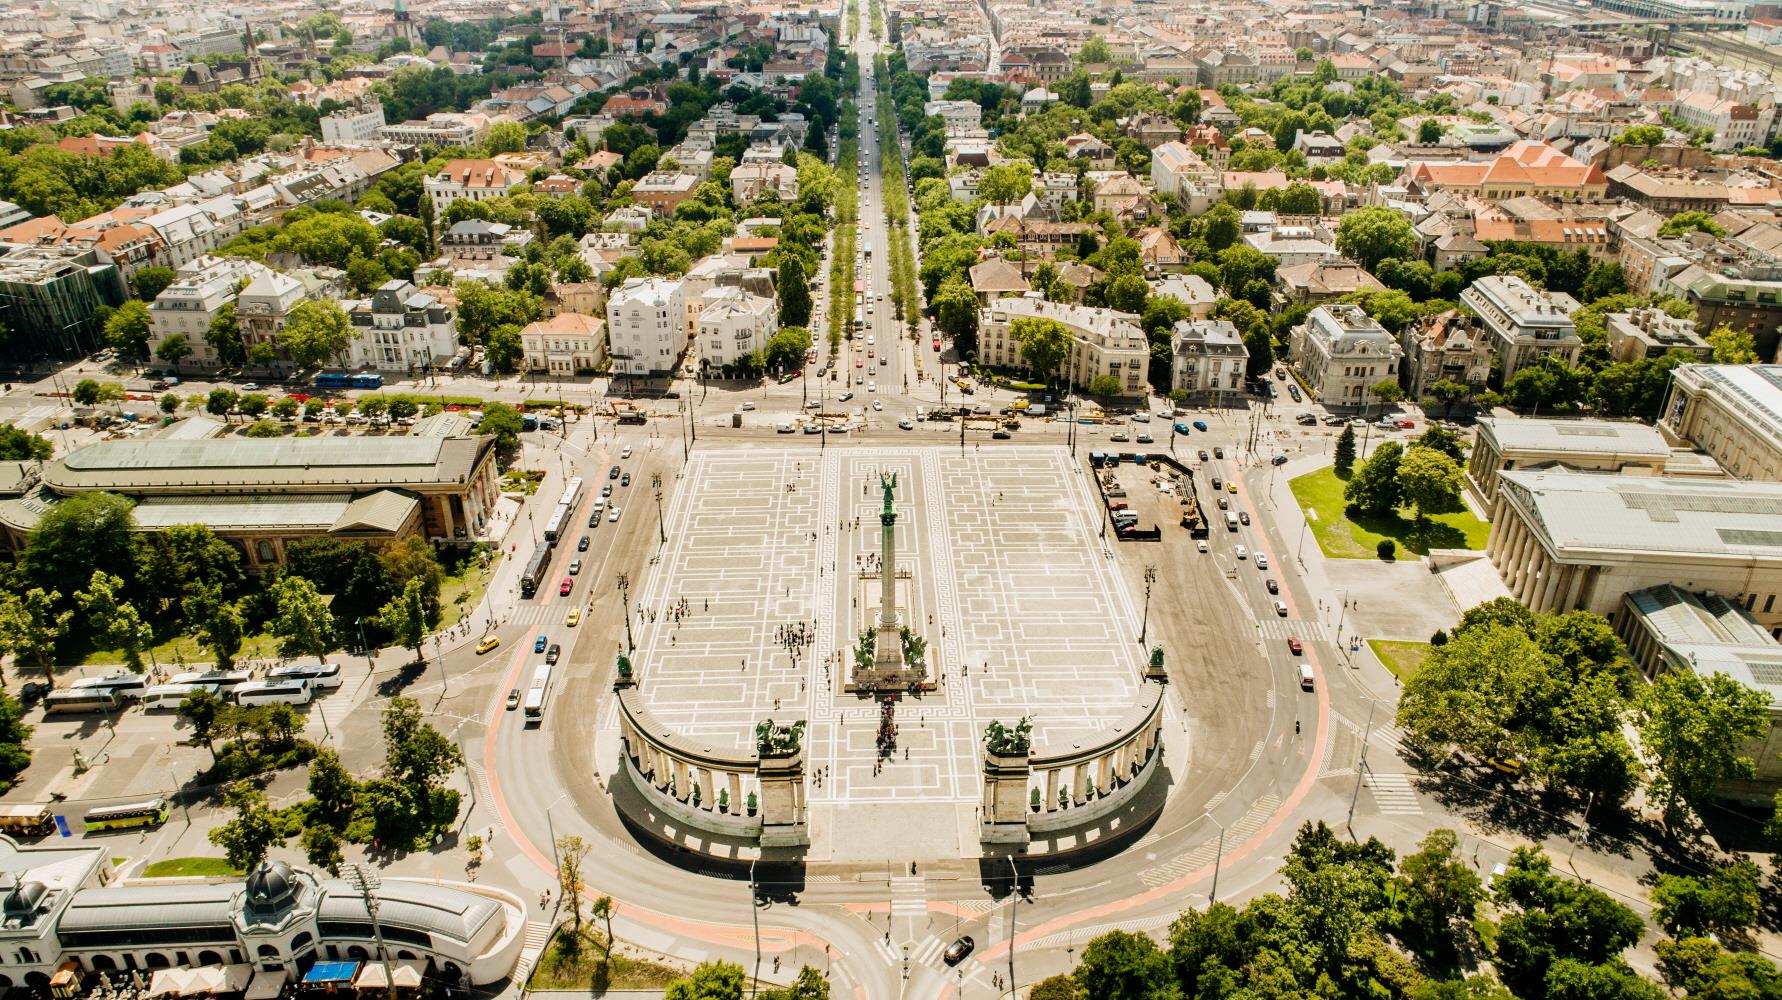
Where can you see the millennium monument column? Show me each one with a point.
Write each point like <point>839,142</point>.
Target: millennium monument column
<point>888,656</point>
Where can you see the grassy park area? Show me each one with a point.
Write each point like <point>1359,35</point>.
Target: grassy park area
<point>1402,658</point>
<point>1344,536</point>
<point>579,962</point>
<point>190,868</point>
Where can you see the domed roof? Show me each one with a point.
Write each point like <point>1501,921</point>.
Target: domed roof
<point>271,884</point>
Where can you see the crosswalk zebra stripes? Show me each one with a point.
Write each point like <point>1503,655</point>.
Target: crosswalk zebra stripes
<point>1393,793</point>
<point>1206,852</point>
<point>909,897</point>
<point>1281,628</point>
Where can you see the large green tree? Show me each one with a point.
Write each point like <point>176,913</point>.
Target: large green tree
<point>795,292</point>
<point>253,832</point>
<point>1044,344</point>
<point>303,624</point>
<point>316,332</point>
<point>1375,487</point>
<point>128,330</point>
<point>1696,731</point>
<point>85,533</point>
<point>1371,235</point>
<point>1431,482</point>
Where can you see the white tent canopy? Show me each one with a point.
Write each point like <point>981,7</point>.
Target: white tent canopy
<point>371,977</point>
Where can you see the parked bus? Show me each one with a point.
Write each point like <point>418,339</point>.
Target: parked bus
<point>224,680</point>
<point>71,701</point>
<point>321,676</point>
<point>533,577</point>
<point>298,692</point>
<point>342,380</point>
<point>538,693</point>
<point>125,686</point>
<point>152,812</point>
<point>563,517</point>
<point>27,821</point>
<point>169,696</point>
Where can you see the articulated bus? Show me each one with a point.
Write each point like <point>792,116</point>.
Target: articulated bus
<point>152,812</point>
<point>537,694</point>
<point>533,576</point>
<point>563,517</point>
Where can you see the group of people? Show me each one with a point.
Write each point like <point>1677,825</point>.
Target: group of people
<point>887,738</point>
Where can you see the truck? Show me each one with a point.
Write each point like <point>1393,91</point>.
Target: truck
<point>1231,521</point>
<point>1191,519</point>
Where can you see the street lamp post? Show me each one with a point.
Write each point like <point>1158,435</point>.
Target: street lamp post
<point>755,918</point>
<point>1361,763</point>
<point>624,585</point>
<point>551,830</point>
<point>1145,624</point>
<point>366,881</point>
<point>661,530</point>
<point>1218,859</point>
<point>1014,898</point>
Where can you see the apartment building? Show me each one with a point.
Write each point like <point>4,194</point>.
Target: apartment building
<point>1207,358</point>
<point>264,305</point>
<point>1343,352</point>
<point>50,296</point>
<point>1523,322</point>
<point>401,329</point>
<point>734,323</point>
<point>1447,346</point>
<point>353,126</point>
<point>566,344</point>
<point>646,325</point>
<point>197,296</point>
<point>444,128</point>
<point>1651,333</point>
<point>1103,341</point>
<point>476,180</point>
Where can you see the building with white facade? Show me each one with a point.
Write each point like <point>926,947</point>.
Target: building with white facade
<point>265,303</point>
<point>1651,332</point>
<point>734,323</point>
<point>565,344</point>
<point>353,126</point>
<point>1575,540</point>
<point>191,231</point>
<point>1732,412</point>
<point>1343,352</point>
<point>476,180</point>
<point>1103,341</point>
<point>646,326</point>
<point>444,128</point>
<point>196,297</point>
<point>1616,447</point>
<point>1207,358</point>
<point>402,328</point>
<point>1524,322</point>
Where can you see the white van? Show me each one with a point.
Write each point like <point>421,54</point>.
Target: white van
<point>1231,521</point>
<point>1241,552</point>
<point>1305,676</point>
<point>1281,608</point>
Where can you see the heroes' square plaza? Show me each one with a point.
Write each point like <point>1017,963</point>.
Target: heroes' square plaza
<point>771,570</point>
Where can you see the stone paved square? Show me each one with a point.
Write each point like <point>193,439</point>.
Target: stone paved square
<point>1015,591</point>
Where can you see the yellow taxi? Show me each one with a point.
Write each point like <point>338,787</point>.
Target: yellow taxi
<point>487,644</point>
<point>575,617</point>
<point>1231,486</point>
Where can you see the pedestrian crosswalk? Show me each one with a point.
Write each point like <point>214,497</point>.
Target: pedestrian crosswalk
<point>1281,628</point>
<point>909,897</point>
<point>1207,852</point>
<point>533,613</point>
<point>926,952</point>
<point>333,711</point>
<point>1393,794</point>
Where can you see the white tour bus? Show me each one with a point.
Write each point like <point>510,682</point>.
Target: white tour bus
<point>321,676</point>
<point>169,696</point>
<point>296,692</point>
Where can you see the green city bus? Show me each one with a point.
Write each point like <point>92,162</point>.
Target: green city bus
<point>153,812</point>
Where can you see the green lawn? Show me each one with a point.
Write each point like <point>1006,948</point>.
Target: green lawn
<point>1344,537</point>
<point>189,868</point>
<point>569,963</point>
<point>185,649</point>
<point>463,590</point>
<point>1402,658</point>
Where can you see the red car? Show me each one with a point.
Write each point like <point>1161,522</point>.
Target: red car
<point>859,363</point>
<point>937,343</point>
<point>563,589</point>
<point>1294,647</point>
<point>1407,424</point>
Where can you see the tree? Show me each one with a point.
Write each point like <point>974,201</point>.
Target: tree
<point>571,849</point>
<point>503,347</point>
<point>321,848</point>
<point>149,282</point>
<point>220,402</point>
<point>1104,385</point>
<point>1006,183</point>
<point>1548,382</point>
<point>202,711</point>
<point>316,331</point>
<point>1375,486</point>
<point>1558,921</point>
<point>505,423</point>
<point>1371,235</point>
<point>415,753</point>
<point>1044,344</point>
<point>1120,965</point>
<point>113,620</point>
<point>1431,482</point>
<point>303,624</point>
<point>23,446</point>
<point>174,349</point>
<point>405,618</point>
<point>955,308</point>
<point>15,754</point>
<point>32,625</point>
<point>1448,392</point>
<point>1640,135</point>
<point>1128,293</point>
<point>1438,888</point>
<point>224,337</point>
<point>1429,131</point>
<point>506,137</point>
<point>1220,226</point>
<point>253,831</point>
<point>1703,970</point>
<point>128,330</point>
<point>709,981</point>
<point>1386,391</point>
<point>795,292</point>
<point>787,348</point>
<point>1691,222</point>
<point>1732,347</point>
<point>809,985</point>
<point>1468,691</point>
<point>1345,451</point>
<point>1695,731</point>
<point>603,908</point>
<point>1443,440</point>
<point>1725,903</point>
<point>86,532</point>
<point>253,404</point>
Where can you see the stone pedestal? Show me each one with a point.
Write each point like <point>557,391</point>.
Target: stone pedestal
<point>889,670</point>
<point>1006,799</point>
<point>782,800</point>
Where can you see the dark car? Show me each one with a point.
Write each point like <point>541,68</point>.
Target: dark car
<point>1203,455</point>
<point>1279,460</point>
<point>555,651</point>
<point>957,951</point>
<point>513,699</point>
<point>1293,390</point>
<point>1001,435</point>
<point>594,519</point>
<point>1218,452</point>
<point>625,480</point>
<point>606,489</point>
<point>612,473</point>
<point>582,545</point>
<point>1273,587</point>
<point>538,646</point>
<point>1218,483</point>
